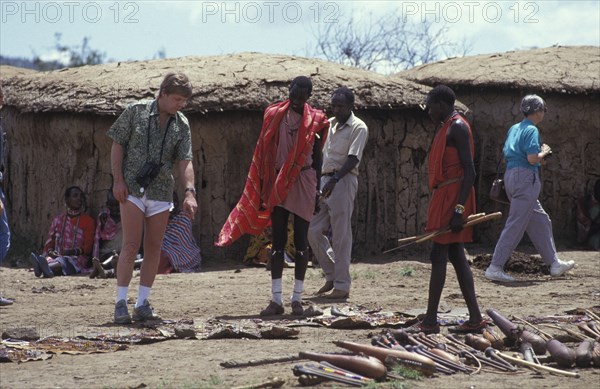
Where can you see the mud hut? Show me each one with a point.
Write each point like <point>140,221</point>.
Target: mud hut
<point>492,86</point>
<point>56,124</point>
<point>7,71</point>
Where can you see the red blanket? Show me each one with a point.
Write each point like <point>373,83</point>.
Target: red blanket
<point>445,165</point>
<point>264,189</point>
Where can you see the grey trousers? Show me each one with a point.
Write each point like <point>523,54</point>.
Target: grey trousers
<point>525,214</point>
<point>336,212</point>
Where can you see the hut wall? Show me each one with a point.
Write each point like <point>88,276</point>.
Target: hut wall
<point>571,127</point>
<point>47,152</point>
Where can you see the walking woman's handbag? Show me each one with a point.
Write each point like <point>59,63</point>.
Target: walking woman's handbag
<point>498,192</point>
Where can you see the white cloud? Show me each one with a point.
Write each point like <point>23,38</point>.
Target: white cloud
<point>55,55</point>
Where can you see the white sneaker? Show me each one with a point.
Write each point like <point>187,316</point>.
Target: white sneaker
<point>559,267</point>
<point>498,275</point>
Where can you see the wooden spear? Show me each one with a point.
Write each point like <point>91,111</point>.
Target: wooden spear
<point>471,221</point>
<point>542,333</point>
<point>535,366</point>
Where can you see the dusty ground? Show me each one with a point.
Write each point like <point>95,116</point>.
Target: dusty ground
<point>71,306</point>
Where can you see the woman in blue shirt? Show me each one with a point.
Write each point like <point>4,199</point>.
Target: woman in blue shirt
<point>524,153</point>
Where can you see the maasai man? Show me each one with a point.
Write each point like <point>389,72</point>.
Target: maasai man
<point>284,178</point>
<point>451,178</point>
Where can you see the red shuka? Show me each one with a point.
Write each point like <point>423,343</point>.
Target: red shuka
<point>263,186</point>
<point>445,165</point>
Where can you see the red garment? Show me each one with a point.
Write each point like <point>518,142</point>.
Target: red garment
<point>70,233</point>
<point>445,165</point>
<point>263,187</point>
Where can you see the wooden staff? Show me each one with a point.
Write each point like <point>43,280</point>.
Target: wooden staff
<point>275,382</point>
<point>413,239</point>
<point>542,333</point>
<point>471,221</point>
<point>573,334</point>
<point>592,315</point>
<point>534,366</point>
<point>257,362</point>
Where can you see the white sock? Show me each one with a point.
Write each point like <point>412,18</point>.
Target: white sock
<point>298,289</point>
<point>143,294</point>
<point>122,293</point>
<point>276,290</point>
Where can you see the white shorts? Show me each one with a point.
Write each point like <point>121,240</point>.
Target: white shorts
<point>150,207</point>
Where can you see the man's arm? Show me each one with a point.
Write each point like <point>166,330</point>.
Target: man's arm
<point>459,137</point>
<point>186,174</point>
<point>350,163</point>
<point>317,157</point>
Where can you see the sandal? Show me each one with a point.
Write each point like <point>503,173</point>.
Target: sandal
<point>469,328</point>
<point>420,327</point>
<point>98,269</point>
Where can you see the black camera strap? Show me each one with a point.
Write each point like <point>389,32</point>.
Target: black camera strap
<point>162,147</point>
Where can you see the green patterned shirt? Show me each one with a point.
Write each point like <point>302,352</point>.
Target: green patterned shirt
<point>130,130</point>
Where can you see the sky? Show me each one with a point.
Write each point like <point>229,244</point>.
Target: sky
<point>138,30</point>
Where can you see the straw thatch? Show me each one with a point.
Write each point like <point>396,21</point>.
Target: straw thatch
<point>7,71</point>
<point>247,81</point>
<point>492,86</point>
<point>562,69</point>
<point>56,124</point>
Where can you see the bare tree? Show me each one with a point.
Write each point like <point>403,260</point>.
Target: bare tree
<point>385,44</point>
<point>77,55</point>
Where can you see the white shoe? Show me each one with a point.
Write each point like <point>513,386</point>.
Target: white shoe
<point>559,267</point>
<point>498,275</point>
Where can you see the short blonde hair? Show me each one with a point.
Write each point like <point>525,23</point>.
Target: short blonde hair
<point>177,83</point>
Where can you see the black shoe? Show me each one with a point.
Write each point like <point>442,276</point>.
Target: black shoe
<point>272,309</point>
<point>326,288</point>
<point>37,270</point>
<point>43,262</point>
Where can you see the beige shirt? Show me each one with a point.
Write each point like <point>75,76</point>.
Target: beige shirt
<point>344,139</point>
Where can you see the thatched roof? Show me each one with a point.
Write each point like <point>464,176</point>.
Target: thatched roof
<point>562,69</point>
<point>247,81</point>
<point>7,71</point>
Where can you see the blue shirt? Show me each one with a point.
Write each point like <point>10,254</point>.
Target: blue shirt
<point>523,139</point>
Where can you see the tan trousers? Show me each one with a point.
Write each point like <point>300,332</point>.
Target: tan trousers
<point>336,212</point>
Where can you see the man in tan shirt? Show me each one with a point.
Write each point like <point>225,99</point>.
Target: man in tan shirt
<point>339,182</point>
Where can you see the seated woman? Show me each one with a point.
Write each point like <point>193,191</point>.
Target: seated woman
<point>180,252</point>
<point>70,240</point>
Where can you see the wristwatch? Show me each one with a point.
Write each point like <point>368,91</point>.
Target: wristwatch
<point>191,189</point>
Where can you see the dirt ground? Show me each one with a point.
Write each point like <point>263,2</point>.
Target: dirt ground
<point>77,305</point>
